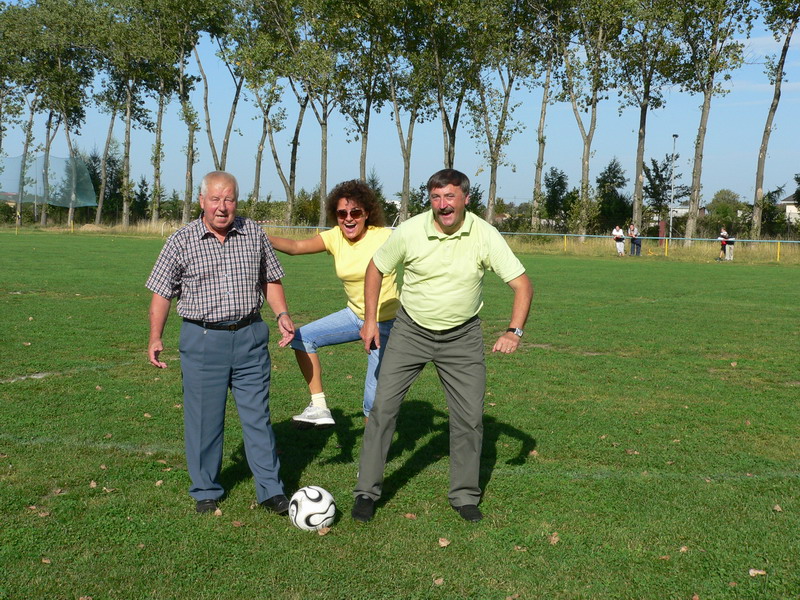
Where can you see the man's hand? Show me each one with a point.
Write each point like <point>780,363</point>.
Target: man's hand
<point>371,336</point>
<point>286,327</point>
<point>506,343</point>
<point>153,351</point>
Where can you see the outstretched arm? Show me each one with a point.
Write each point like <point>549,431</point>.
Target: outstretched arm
<point>293,247</point>
<point>523,293</point>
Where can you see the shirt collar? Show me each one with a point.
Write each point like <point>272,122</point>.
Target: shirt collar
<point>202,231</point>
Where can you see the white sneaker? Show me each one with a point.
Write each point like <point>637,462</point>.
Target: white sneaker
<point>313,417</point>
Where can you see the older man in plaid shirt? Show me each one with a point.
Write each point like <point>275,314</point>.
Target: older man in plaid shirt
<point>221,268</point>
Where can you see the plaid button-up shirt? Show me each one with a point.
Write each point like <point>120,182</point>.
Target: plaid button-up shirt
<point>213,281</point>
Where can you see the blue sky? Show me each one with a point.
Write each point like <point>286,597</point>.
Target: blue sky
<point>731,149</point>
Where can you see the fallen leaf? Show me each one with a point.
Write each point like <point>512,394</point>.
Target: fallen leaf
<point>103,467</point>
<point>30,318</point>
<point>93,484</point>
<point>444,542</point>
<point>46,561</point>
<point>438,581</point>
<point>33,507</point>
<point>148,416</point>
<point>533,453</point>
<point>665,557</point>
<point>84,598</point>
<point>98,387</point>
<point>161,461</point>
<point>128,397</point>
<point>684,549</point>
<point>676,441</point>
<point>553,538</point>
<point>734,363</point>
<point>732,584</point>
<point>323,531</point>
<point>166,469</point>
<point>58,492</point>
<point>159,483</point>
<point>520,548</point>
<point>631,451</point>
<point>604,436</point>
<point>140,546</point>
<point>512,597</point>
<point>108,436</point>
<point>411,516</point>
<point>777,508</point>
<point>695,597</point>
<point>26,343</point>
<point>218,513</point>
<point>108,490</point>
<point>44,513</point>
<point>756,572</point>
<point>747,422</point>
<point>177,406</point>
<point>492,404</point>
<point>3,455</point>
<point>237,523</point>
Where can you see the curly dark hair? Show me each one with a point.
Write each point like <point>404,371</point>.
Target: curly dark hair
<point>360,193</point>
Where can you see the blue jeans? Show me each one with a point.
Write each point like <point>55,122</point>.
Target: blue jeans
<point>339,328</point>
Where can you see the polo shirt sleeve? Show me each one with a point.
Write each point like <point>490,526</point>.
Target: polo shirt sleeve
<point>502,259</point>
<point>165,278</point>
<point>392,253</point>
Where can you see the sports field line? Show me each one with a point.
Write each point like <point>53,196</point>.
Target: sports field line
<point>74,371</point>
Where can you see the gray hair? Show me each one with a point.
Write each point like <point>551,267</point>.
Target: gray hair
<point>213,175</point>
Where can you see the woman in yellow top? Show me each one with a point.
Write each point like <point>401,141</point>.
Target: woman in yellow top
<point>360,232</point>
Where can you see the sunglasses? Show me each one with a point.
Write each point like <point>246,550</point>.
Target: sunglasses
<point>355,213</point>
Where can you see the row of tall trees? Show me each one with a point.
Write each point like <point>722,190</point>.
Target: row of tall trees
<point>458,62</point>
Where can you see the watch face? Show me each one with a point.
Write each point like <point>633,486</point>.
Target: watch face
<point>516,331</point>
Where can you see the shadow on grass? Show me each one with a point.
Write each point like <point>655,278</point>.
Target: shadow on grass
<point>418,420</point>
<point>421,431</point>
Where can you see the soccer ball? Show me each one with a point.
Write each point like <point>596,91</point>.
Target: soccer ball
<point>312,508</point>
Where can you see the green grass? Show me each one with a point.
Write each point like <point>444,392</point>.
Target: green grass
<point>636,447</point>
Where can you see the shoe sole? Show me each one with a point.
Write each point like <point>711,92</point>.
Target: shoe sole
<point>302,425</point>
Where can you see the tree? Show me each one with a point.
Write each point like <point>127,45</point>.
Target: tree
<point>658,187</point>
<point>559,200</point>
<point>706,29</point>
<point>613,205</point>
<point>646,64</point>
<point>726,209</point>
<point>586,77</point>
<point>781,17</point>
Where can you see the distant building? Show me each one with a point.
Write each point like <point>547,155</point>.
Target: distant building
<point>789,204</point>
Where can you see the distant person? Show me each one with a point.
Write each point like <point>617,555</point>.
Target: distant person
<point>723,243</point>
<point>619,239</point>
<point>445,253</point>
<point>360,232</point>
<point>636,242</point>
<point>221,268</point>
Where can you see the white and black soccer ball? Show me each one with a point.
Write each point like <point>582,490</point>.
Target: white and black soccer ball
<point>312,508</point>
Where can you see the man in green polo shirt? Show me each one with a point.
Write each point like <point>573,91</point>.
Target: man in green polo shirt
<point>445,253</point>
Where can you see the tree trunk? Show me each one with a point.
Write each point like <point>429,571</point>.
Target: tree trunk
<point>323,166</point>
<point>126,159</point>
<point>223,159</point>
<point>26,144</point>
<point>362,162</point>
<point>541,140</point>
<point>259,156</point>
<point>73,173</point>
<point>104,170</point>
<point>188,192</point>
<point>697,167</point>
<point>158,155</point>
<point>209,132</point>
<point>755,231</point>
<point>638,186</point>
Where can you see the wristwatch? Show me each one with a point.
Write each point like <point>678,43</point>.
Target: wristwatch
<point>515,330</point>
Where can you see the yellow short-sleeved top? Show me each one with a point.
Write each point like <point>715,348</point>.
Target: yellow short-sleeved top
<point>443,274</point>
<point>351,260</point>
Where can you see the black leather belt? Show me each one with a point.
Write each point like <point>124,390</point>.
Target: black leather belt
<point>227,325</point>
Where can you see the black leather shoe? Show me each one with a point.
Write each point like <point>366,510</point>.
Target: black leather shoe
<point>469,512</point>
<point>277,504</point>
<point>204,506</point>
<point>363,509</point>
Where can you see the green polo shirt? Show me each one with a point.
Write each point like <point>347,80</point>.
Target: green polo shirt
<point>443,274</point>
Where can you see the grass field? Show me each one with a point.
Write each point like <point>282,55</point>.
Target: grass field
<point>642,444</point>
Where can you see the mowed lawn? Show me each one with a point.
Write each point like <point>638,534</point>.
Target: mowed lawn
<point>642,444</point>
